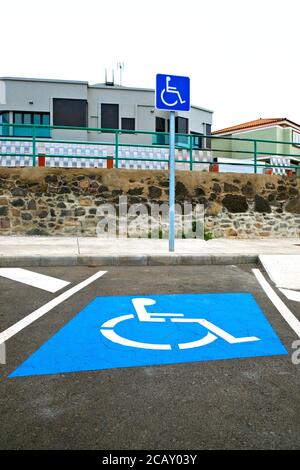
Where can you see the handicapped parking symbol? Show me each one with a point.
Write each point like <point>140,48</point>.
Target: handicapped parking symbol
<point>213,331</point>
<point>172,90</point>
<point>126,331</point>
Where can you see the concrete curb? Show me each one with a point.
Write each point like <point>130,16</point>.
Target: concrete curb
<point>127,260</point>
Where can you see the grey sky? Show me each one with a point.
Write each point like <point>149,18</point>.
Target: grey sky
<point>242,56</point>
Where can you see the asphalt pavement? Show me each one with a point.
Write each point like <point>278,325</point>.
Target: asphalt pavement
<point>246,401</point>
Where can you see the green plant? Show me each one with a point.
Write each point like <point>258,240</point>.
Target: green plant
<point>208,236</point>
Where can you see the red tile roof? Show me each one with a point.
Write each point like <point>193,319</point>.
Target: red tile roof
<point>256,123</point>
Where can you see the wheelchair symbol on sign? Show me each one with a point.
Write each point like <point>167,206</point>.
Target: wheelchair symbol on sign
<point>139,304</point>
<point>171,90</point>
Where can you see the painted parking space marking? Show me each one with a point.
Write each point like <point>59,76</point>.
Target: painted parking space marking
<point>139,305</point>
<point>291,294</point>
<point>41,281</point>
<point>32,317</point>
<point>126,331</point>
<point>283,270</point>
<point>277,302</point>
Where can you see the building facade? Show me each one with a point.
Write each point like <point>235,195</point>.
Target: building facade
<point>78,104</point>
<point>274,141</point>
<point>282,138</point>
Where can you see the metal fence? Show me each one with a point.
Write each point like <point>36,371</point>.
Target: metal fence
<point>107,148</point>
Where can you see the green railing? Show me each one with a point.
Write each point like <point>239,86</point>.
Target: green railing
<point>255,150</point>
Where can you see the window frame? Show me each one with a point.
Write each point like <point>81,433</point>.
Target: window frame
<point>207,133</point>
<point>197,136</point>
<point>65,100</point>
<point>124,129</point>
<point>296,143</point>
<point>42,114</point>
<point>160,119</point>
<point>5,125</point>
<point>116,106</point>
<point>177,120</point>
<point>160,139</point>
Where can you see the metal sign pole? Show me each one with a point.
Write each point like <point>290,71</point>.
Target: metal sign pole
<point>172,183</point>
<point>172,93</point>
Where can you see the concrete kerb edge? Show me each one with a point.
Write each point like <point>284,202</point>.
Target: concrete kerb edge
<point>95,260</point>
<point>234,259</point>
<point>20,261</point>
<point>126,260</point>
<point>261,266</point>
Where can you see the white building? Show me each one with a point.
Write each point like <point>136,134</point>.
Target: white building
<point>101,106</point>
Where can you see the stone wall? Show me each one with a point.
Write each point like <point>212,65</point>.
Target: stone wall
<point>44,201</point>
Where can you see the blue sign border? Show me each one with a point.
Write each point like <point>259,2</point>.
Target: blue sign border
<point>177,78</point>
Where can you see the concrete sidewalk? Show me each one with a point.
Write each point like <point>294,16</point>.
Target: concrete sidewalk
<point>71,251</point>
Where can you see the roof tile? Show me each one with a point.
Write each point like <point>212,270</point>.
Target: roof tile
<point>250,124</point>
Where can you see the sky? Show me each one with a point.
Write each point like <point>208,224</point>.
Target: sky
<point>242,56</point>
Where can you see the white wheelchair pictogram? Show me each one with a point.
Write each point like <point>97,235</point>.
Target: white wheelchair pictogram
<point>171,90</point>
<point>139,304</point>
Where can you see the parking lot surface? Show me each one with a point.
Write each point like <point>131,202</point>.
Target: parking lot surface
<point>70,381</point>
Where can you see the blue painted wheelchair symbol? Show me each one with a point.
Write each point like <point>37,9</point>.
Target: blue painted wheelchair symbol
<point>172,92</point>
<point>214,332</point>
<point>131,331</point>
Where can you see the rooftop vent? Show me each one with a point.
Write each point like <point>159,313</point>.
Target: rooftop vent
<point>110,81</point>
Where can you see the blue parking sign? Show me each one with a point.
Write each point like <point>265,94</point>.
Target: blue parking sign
<point>172,92</point>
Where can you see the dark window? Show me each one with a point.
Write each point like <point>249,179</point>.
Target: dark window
<point>4,119</point>
<point>69,112</point>
<point>181,125</point>
<point>109,116</point>
<point>160,126</point>
<point>128,124</point>
<point>31,118</point>
<point>208,132</point>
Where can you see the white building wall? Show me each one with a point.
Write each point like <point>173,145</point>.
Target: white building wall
<point>2,92</point>
<point>17,94</point>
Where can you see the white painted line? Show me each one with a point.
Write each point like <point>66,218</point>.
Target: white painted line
<point>277,302</point>
<point>291,294</point>
<point>20,325</point>
<point>115,338</point>
<point>2,354</point>
<point>49,283</point>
